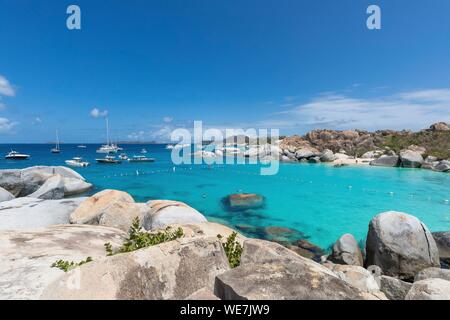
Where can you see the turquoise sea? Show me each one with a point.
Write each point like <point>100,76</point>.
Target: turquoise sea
<point>319,201</point>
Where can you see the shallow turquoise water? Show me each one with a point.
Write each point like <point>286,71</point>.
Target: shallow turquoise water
<point>320,201</point>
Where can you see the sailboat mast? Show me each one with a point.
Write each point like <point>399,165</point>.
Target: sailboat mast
<point>107,132</point>
<point>57,140</point>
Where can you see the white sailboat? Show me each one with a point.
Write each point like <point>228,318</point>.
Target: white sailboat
<point>108,147</point>
<point>56,149</point>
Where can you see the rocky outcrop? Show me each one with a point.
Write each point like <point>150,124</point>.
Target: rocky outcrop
<point>442,166</point>
<point>243,201</point>
<point>429,289</point>
<point>165,212</point>
<point>53,188</point>
<point>393,288</point>
<point>5,195</point>
<point>346,251</point>
<point>440,126</point>
<point>411,159</point>
<point>108,206</point>
<point>443,243</point>
<point>429,273</point>
<point>389,245</point>
<point>26,256</point>
<point>172,270</point>
<point>30,213</point>
<point>386,161</point>
<point>24,182</point>
<point>273,272</point>
<point>327,156</point>
<point>358,277</point>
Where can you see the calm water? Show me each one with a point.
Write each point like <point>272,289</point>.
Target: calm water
<point>320,201</point>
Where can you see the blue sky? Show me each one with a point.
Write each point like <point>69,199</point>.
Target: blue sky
<point>160,64</point>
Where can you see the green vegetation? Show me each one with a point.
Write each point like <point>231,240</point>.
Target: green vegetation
<point>65,265</point>
<point>233,249</point>
<point>138,238</point>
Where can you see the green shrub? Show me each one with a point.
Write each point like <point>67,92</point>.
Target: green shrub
<point>137,238</point>
<point>65,265</point>
<point>233,249</point>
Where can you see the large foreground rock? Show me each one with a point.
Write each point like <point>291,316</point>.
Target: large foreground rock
<point>442,166</point>
<point>356,276</point>
<point>172,270</point>
<point>443,243</point>
<point>109,208</point>
<point>346,251</point>
<point>411,159</point>
<point>74,186</point>
<point>386,161</point>
<point>429,289</point>
<point>31,213</point>
<point>5,195</point>
<point>270,271</point>
<point>400,244</point>
<point>27,256</point>
<point>393,288</point>
<point>53,188</point>
<point>165,212</point>
<point>429,273</point>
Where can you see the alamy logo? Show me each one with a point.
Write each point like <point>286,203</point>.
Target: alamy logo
<point>374,20</point>
<point>73,22</point>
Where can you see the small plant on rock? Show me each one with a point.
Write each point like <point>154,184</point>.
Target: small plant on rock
<point>65,265</point>
<point>139,238</point>
<point>233,249</point>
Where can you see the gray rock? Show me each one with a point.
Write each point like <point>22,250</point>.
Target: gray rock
<point>306,152</point>
<point>272,271</point>
<point>411,159</point>
<point>400,244</point>
<point>5,195</point>
<point>393,288</point>
<point>164,212</point>
<point>171,270</point>
<point>314,160</point>
<point>203,294</point>
<point>429,289</point>
<point>442,166</point>
<point>433,273</point>
<point>356,276</point>
<point>327,156</point>
<point>74,186</point>
<point>346,251</point>
<point>52,170</point>
<point>11,180</point>
<point>29,213</point>
<point>386,161</point>
<point>27,255</point>
<point>52,189</point>
<point>443,243</point>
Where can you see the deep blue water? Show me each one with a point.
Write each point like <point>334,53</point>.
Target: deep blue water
<point>318,200</point>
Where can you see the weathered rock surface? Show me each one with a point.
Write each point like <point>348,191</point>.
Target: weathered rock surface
<point>327,156</point>
<point>356,276</point>
<point>429,273</point>
<point>93,208</point>
<point>442,166</point>
<point>243,201</point>
<point>346,251</point>
<point>30,213</point>
<point>411,159</point>
<point>5,195</point>
<point>53,188</point>
<point>74,186</point>
<point>429,289</point>
<point>443,243</point>
<point>393,288</point>
<point>386,161</point>
<point>400,244</point>
<point>206,229</point>
<point>203,294</point>
<point>440,126</point>
<point>165,212</point>
<point>172,270</point>
<point>27,256</point>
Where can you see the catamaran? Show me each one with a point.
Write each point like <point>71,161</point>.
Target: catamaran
<point>108,147</point>
<point>56,149</point>
<point>77,162</point>
<point>14,155</point>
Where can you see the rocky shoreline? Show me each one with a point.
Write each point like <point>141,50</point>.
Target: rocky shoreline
<point>107,246</point>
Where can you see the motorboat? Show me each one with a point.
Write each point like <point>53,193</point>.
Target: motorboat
<point>14,155</point>
<point>141,159</point>
<point>123,156</point>
<point>56,149</point>
<point>77,162</point>
<point>82,146</point>
<point>108,160</point>
<point>169,146</point>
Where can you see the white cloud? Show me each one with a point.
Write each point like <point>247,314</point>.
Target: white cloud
<point>37,120</point>
<point>96,113</point>
<point>167,119</point>
<point>6,88</point>
<point>407,110</point>
<point>6,125</point>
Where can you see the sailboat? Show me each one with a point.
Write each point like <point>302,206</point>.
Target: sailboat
<point>108,147</point>
<point>56,149</point>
